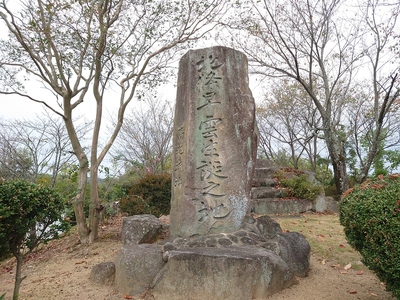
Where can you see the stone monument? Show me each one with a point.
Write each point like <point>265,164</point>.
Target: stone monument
<point>215,143</point>
<point>217,249</point>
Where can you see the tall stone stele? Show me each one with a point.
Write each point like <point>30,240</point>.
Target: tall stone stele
<point>214,143</point>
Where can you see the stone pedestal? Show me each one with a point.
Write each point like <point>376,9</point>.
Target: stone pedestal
<point>214,143</point>
<point>222,273</point>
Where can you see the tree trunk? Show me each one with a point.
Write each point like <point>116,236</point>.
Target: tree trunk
<point>336,153</point>
<point>79,202</point>
<point>96,207</point>
<point>18,278</point>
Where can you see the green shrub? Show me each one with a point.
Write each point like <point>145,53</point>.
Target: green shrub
<point>370,214</point>
<point>30,214</point>
<point>149,195</point>
<point>298,184</point>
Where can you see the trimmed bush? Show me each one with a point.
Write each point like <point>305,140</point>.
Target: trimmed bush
<point>370,214</point>
<point>297,184</point>
<point>149,195</point>
<point>30,214</point>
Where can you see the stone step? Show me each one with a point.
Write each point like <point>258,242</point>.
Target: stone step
<point>267,192</point>
<point>262,173</point>
<point>264,163</point>
<point>273,206</point>
<point>270,182</point>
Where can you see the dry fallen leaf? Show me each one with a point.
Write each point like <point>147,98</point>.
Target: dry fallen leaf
<point>80,262</point>
<point>342,246</point>
<point>360,272</point>
<point>323,262</point>
<point>373,294</point>
<point>353,292</point>
<point>128,297</point>
<point>347,192</point>
<point>377,186</point>
<point>343,272</point>
<point>347,267</point>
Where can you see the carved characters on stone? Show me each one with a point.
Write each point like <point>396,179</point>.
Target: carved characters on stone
<point>214,143</point>
<point>214,202</point>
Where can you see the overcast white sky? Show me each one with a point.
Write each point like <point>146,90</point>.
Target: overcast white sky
<point>13,106</point>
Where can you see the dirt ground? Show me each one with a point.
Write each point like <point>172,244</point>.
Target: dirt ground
<point>61,270</point>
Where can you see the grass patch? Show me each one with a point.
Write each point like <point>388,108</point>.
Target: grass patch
<point>325,236</point>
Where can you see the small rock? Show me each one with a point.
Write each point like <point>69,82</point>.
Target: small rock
<point>103,273</point>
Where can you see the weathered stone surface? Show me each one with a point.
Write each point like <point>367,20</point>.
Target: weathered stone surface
<point>295,251</point>
<point>222,273</point>
<point>136,266</point>
<point>319,204</point>
<point>332,205</point>
<point>215,143</point>
<point>263,226</point>
<point>265,172</point>
<point>261,232</point>
<point>268,192</point>
<point>255,232</point>
<point>103,273</point>
<point>140,229</point>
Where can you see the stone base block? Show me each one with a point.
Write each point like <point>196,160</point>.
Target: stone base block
<point>136,266</point>
<point>222,273</point>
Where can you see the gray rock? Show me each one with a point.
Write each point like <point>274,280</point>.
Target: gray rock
<point>264,226</point>
<point>136,266</point>
<point>295,251</point>
<point>320,204</point>
<point>222,273</point>
<point>140,229</point>
<point>103,273</point>
<point>215,143</point>
<point>332,205</point>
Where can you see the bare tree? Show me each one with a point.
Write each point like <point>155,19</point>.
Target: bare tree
<point>146,136</point>
<point>288,123</point>
<point>33,148</point>
<point>76,47</point>
<point>15,162</point>
<point>376,124</point>
<point>367,136</point>
<point>319,45</point>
